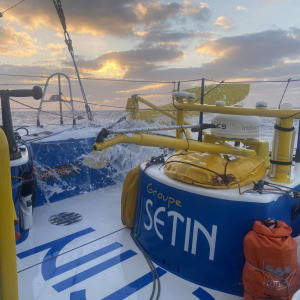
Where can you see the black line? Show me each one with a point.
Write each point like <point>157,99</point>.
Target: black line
<point>72,249</point>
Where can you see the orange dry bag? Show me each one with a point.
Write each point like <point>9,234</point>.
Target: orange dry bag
<point>270,271</point>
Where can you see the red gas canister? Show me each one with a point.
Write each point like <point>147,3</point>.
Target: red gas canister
<point>270,271</point>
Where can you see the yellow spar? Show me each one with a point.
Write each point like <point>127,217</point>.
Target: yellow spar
<point>8,263</point>
<point>172,143</point>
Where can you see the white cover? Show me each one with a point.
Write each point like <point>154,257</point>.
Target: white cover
<point>26,212</point>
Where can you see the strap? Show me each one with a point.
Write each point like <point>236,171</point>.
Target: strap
<point>281,163</point>
<point>284,129</point>
<point>286,281</point>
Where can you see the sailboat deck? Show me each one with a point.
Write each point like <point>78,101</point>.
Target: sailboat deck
<point>94,257</point>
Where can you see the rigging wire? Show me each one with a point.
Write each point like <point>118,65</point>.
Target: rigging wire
<point>288,82</point>
<point>96,104</point>
<point>30,84</point>
<point>68,41</point>
<point>67,105</point>
<point>1,14</point>
<point>35,108</point>
<point>210,90</point>
<point>155,81</point>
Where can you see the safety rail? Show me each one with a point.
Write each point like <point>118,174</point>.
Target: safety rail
<point>57,98</point>
<point>283,141</point>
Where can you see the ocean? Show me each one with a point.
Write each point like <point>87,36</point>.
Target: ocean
<point>105,118</point>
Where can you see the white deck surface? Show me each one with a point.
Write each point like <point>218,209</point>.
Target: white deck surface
<point>99,261</point>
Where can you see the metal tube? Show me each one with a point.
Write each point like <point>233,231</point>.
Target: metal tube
<point>180,120</point>
<point>60,102</point>
<point>187,133</point>
<point>261,112</point>
<point>8,126</point>
<point>146,129</point>
<point>142,100</point>
<point>201,113</point>
<point>171,143</point>
<point>282,172</point>
<point>297,155</point>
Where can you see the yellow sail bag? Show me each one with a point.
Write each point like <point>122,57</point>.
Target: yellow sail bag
<point>214,170</point>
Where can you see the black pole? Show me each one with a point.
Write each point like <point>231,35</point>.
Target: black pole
<point>297,155</point>
<point>14,152</point>
<point>201,113</point>
<point>7,124</point>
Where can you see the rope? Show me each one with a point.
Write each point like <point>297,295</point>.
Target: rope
<point>284,280</point>
<point>152,268</point>
<point>147,258</point>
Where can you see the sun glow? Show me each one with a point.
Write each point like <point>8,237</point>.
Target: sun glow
<point>111,69</point>
<point>144,88</point>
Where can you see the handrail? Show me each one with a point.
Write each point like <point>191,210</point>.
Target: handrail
<point>8,262</point>
<point>245,111</point>
<point>281,161</point>
<point>134,108</point>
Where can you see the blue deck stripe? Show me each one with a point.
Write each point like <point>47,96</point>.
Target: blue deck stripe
<point>134,286</point>
<point>67,283</point>
<point>49,269</point>
<point>57,244</point>
<point>78,295</point>
<point>202,294</point>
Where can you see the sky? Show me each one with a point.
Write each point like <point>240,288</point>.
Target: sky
<point>161,41</point>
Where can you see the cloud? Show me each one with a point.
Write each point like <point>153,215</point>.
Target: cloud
<point>98,17</point>
<point>19,44</point>
<point>114,17</point>
<point>241,8</point>
<point>250,54</point>
<point>117,17</point>
<point>119,64</point>
<point>155,12</point>
<point>272,54</point>
<point>224,22</point>
<point>201,12</point>
<point>160,34</point>
<point>267,54</point>
<point>56,49</point>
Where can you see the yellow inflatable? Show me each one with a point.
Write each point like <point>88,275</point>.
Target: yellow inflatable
<point>214,170</point>
<point>129,196</point>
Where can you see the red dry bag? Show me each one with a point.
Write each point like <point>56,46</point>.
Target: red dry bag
<point>270,271</point>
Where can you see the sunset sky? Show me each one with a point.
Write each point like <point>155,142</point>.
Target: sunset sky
<point>151,40</point>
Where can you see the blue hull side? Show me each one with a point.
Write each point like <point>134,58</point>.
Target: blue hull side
<point>62,173</point>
